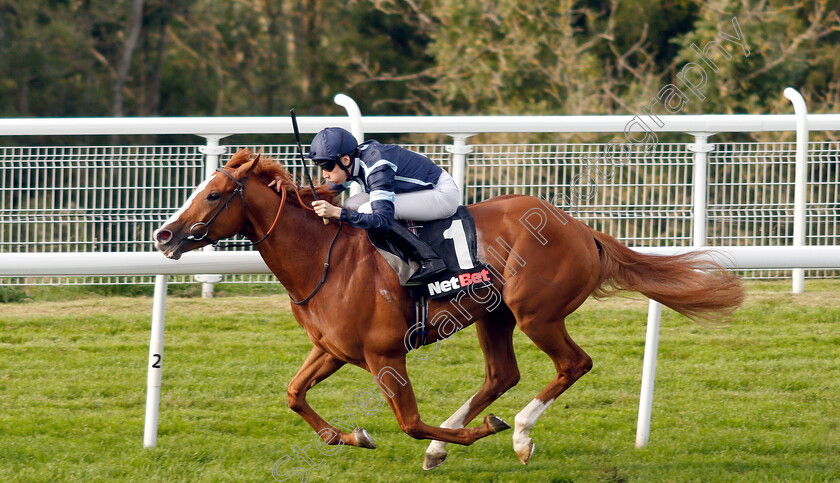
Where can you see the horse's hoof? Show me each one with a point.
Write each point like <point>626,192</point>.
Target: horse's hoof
<point>496,423</point>
<point>363,439</point>
<point>433,460</point>
<point>524,452</point>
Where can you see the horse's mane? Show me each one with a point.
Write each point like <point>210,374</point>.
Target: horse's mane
<point>269,169</point>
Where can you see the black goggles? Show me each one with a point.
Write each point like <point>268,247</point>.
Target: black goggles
<point>328,165</point>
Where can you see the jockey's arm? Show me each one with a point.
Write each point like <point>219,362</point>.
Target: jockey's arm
<point>328,210</point>
<point>381,185</point>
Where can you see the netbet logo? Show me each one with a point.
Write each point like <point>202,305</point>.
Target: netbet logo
<point>459,282</point>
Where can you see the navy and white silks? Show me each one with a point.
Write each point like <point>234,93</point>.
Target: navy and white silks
<point>396,183</point>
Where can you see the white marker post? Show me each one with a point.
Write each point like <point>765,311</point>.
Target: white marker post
<point>155,362</point>
<point>648,374</point>
<point>800,188</point>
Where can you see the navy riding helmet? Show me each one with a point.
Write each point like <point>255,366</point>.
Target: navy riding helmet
<point>330,145</point>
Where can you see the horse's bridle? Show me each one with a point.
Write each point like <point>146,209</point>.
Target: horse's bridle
<point>240,189</point>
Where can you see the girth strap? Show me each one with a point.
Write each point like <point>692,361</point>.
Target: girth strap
<point>417,332</point>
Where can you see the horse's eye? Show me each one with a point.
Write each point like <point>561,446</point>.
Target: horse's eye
<point>213,196</point>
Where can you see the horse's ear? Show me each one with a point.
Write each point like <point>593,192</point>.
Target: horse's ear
<point>239,159</point>
<point>254,163</point>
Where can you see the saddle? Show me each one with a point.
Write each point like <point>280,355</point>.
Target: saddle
<point>454,240</point>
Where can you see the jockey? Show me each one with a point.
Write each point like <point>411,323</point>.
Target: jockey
<point>396,183</point>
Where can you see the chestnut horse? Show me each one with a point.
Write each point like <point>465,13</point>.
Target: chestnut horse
<point>545,265</point>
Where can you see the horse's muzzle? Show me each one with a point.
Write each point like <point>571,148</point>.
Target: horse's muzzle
<point>164,239</point>
<point>162,236</point>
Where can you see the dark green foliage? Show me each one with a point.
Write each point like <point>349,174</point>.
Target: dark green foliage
<point>12,294</point>
<point>205,57</point>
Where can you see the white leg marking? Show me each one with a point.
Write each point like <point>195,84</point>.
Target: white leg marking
<point>455,421</point>
<point>525,421</point>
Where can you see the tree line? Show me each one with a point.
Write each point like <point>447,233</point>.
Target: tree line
<point>79,58</point>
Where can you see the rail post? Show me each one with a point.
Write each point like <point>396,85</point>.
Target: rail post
<point>699,209</point>
<point>155,362</point>
<point>700,148</point>
<point>355,115</point>
<point>648,374</point>
<point>800,190</point>
<point>212,150</point>
<point>459,150</point>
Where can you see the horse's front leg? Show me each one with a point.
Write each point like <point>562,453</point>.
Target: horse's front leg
<point>391,377</point>
<point>318,366</point>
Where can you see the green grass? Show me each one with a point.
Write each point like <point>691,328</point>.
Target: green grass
<point>755,401</point>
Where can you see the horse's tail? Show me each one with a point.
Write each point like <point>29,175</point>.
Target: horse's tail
<point>697,288</point>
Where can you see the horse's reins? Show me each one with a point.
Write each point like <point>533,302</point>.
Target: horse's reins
<point>240,189</point>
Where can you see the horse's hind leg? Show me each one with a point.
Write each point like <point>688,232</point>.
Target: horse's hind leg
<point>501,373</point>
<point>390,375</point>
<point>318,366</point>
<point>571,363</point>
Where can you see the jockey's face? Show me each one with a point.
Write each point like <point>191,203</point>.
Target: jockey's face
<point>336,174</point>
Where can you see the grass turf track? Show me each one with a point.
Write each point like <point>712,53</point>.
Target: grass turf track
<point>755,401</point>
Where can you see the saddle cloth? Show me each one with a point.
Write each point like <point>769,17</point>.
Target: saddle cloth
<point>454,240</point>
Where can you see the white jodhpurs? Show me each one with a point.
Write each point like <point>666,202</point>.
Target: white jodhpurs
<point>424,205</point>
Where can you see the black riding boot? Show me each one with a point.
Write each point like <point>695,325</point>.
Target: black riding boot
<point>417,249</point>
